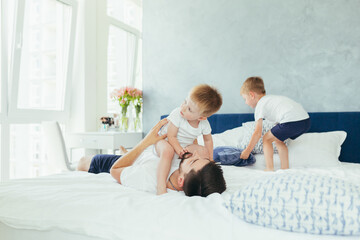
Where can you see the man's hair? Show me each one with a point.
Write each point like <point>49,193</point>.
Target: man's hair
<point>208,180</point>
<point>253,84</point>
<point>207,98</point>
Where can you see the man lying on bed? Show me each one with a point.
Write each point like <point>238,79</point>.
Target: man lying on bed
<point>195,174</point>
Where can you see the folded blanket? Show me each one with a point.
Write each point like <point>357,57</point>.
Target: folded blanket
<point>231,156</point>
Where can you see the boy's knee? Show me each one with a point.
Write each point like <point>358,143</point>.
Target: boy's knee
<point>280,144</point>
<point>162,142</point>
<point>168,151</point>
<point>84,163</point>
<point>267,138</point>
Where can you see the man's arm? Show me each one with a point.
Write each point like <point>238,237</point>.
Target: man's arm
<point>208,142</point>
<point>254,139</point>
<point>128,159</point>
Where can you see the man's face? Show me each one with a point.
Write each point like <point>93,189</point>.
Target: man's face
<point>193,162</point>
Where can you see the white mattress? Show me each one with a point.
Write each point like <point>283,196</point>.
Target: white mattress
<point>96,206</point>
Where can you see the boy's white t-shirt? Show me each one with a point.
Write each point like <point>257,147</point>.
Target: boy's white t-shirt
<point>186,133</point>
<point>279,109</point>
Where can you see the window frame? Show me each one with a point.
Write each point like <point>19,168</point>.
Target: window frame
<point>4,60</point>
<point>5,133</point>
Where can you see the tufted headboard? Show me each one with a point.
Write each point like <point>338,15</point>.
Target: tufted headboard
<point>320,122</point>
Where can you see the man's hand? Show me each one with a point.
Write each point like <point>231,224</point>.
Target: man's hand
<point>128,159</point>
<point>245,154</point>
<point>122,150</point>
<point>153,136</point>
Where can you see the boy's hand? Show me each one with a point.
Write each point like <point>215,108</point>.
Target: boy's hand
<point>161,190</point>
<point>182,152</point>
<point>244,155</point>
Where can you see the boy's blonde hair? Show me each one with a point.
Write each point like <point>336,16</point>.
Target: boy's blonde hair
<point>207,98</point>
<point>253,84</point>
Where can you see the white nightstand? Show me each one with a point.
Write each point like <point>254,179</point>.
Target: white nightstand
<point>103,140</point>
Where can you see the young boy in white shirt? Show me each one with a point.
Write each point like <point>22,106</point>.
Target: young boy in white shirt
<point>291,118</point>
<point>186,123</point>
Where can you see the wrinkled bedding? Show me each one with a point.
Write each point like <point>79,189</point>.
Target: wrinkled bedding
<point>95,205</point>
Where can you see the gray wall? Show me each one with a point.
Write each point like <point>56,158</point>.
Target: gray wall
<point>307,50</point>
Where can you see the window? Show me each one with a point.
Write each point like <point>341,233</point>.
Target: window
<point>122,19</point>
<point>27,152</point>
<point>1,54</point>
<point>27,157</point>
<point>126,11</point>
<point>120,68</point>
<point>44,50</point>
<point>39,42</point>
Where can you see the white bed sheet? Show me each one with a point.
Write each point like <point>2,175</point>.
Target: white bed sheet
<point>95,205</point>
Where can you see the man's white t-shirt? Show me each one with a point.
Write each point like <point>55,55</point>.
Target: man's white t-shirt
<point>142,174</point>
<point>279,109</point>
<point>186,133</point>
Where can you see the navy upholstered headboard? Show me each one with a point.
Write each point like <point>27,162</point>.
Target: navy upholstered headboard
<point>320,122</point>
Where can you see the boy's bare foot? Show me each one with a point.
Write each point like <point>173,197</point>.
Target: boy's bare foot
<point>122,150</point>
<point>268,170</point>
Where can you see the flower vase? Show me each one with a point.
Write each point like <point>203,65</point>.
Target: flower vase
<point>137,123</point>
<point>124,119</point>
<point>124,123</point>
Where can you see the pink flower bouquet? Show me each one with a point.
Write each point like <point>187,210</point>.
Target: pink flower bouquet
<point>125,95</point>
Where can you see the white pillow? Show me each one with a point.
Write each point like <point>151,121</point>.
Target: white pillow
<point>316,150</point>
<point>249,130</point>
<point>303,203</point>
<point>230,137</point>
<point>310,150</point>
